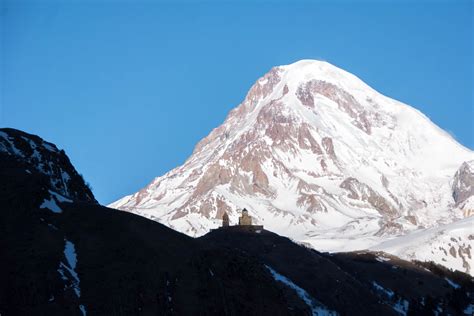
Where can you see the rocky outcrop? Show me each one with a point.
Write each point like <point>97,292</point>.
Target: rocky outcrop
<point>463,182</point>
<point>329,147</point>
<point>345,101</point>
<point>311,202</point>
<point>363,192</point>
<point>40,156</point>
<point>467,207</point>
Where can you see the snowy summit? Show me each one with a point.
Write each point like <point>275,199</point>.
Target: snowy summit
<point>316,154</point>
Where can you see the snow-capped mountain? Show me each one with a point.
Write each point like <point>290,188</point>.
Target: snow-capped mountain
<point>450,245</point>
<point>317,155</point>
<point>72,256</point>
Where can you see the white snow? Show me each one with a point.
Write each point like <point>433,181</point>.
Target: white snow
<point>406,159</point>
<point>10,148</point>
<point>59,197</point>
<point>41,163</point>
<point>401,306</point>
<point>70,254</point>
<point>453,284</point>
<point>70,266</point>
<point>469,310</point>
<point>51,205</point>
<point>389,293</point>
<point>382,259</point>
<point>316,307</point>
<point>83,310</point>
<point>49,146</point>
<point>434,244</point>
<point>68,273</point>
<point>52,226</point>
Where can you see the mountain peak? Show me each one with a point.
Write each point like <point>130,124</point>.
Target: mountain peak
<point>305,70</point>
<point>313,67</point>
<point>313,152</point>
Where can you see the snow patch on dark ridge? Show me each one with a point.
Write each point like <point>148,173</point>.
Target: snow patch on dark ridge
<point>44,158</point>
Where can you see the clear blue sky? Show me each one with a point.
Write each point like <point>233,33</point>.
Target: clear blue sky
<point>128,88</point>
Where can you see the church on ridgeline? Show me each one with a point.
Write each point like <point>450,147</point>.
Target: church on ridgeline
<point>245,222</point>
<point>245,219</point>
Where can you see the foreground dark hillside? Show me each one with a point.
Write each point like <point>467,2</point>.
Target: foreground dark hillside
<point>125,264</point>
<point>358,283</point>
<point>63,254</point>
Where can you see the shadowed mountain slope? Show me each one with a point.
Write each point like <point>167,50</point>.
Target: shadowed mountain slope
<point>63,254</point>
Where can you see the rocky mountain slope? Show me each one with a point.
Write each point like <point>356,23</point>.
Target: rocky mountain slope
<point>44,158</point>
<point>463,188</point>
<point>67,255</point>
<point>317,155</point>
<point>450,245</point>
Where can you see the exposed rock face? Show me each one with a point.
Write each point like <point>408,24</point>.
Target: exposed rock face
<point>362,192</point>
<point>463,182</point>
<point>45,158</point>
<point>329,147</point>
<point>315,154</point>
<point>345,101</point>
<point>467,207</point>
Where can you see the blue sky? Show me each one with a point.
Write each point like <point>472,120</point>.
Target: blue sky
<point>128,88</point>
